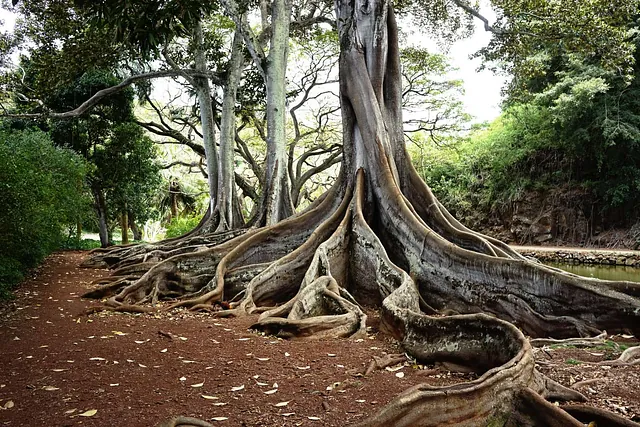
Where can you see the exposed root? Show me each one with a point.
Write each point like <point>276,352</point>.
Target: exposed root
<point>588,415</point>
<point>575,342</point>
<point>184,422</point>
<point>122,308</point>
<point>629,357</point>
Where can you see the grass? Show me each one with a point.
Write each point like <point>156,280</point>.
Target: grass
<point>572,362</point>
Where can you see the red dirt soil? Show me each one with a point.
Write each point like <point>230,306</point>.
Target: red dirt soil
<point>58,364</point>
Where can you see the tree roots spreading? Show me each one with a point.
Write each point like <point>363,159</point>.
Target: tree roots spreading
<point>381,239</point>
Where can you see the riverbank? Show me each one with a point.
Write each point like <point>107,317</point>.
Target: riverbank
<point>572,255</point>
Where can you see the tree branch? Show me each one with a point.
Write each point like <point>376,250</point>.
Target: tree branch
<point>88,104</point>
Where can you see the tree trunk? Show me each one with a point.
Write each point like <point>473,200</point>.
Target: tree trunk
<point>380,238</point>
<point>203,92</point>
<point>124,226</point>
<point>227,218</point>
<point>276,198</point>
<point>135,230</point>
<point>101,210</point>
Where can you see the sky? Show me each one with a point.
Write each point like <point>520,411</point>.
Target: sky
<point>482,89</point>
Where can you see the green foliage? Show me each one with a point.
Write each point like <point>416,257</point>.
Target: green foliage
<point>181,225</point>
<point>41,192</point>
<point>528,34</point>
<point>122,157</point>
<point>494,166</point>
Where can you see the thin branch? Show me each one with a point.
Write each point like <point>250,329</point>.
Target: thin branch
<point>88,104</point>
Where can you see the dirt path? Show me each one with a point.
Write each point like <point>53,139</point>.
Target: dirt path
<point>58,364</point>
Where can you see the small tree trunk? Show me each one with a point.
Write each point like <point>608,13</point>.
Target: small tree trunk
<point>124,226</point>
<point>227,219</point>
<point>101,210</point>
<point>79,231</point>
<point>277,195</point>
<point>135,230</point>
<point>203,92</point>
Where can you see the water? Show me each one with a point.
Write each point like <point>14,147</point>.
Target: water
<point>600,271</point>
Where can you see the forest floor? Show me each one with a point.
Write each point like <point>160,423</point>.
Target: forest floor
<point>62,367</point>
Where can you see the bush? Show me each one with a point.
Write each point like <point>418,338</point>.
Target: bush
<point>41,192</point>
<point>181,225</point>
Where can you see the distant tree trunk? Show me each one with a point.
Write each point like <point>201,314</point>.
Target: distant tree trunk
<point>276,198</point>
<point>135,230</point>
<point>101,210</point>
<point>227,216</point>
<point>203,92</point>
<point>124,226</point>
<point>79,231</point>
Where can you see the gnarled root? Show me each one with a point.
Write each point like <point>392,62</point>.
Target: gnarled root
<point>184,422</point>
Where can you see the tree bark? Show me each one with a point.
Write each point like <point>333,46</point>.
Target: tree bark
<point>227,215</point>
<point>276,198</point>
<point>203,93</point>
<point>101,210</point>
<point>124,226</point>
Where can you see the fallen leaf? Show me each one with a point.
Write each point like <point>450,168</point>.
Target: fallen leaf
<point>288,414</point>
<point>331,354</point>
<point>281,404</point>
<point>238,388</point>
<point>164,350</point>
<point>243,339</point>
<point>70,411</point>
<point>141,365</point>
<point>204,396</point>
<point>188,361</point>
<point>183,338</point>
<point>303,368</point>
<point>59,370</point>
<point>271,391</point>
<point>395,368</point>
<point>140,342</point>
<point>114,385</point>
<point>360,400</point>
<point>219,418</point>
<point>286,354</point>
<point>197,385</point>
<point>89,413</point>
<point>400,375</point>
<point>261,384</point>
<point>97,358</point>
<point>275,385</point>
<point>183,378</point>
<point>8,405</point>
<point>118,333</point>
<point>263,359</point>
<point>50,388</point>
<point>314,418</point>
<point>219,404</point>
<point>625,336</point>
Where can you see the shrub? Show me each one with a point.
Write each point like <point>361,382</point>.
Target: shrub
<point>181,225</point>
<point>41,192</point>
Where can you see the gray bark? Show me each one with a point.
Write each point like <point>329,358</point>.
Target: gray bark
<point>225,201</point>
<point>276,197</point>
<point>203,92</point>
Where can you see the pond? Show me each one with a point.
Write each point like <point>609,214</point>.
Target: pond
<point>601,271</point>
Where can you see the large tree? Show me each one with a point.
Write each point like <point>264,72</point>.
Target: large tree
<point>380,238</point>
